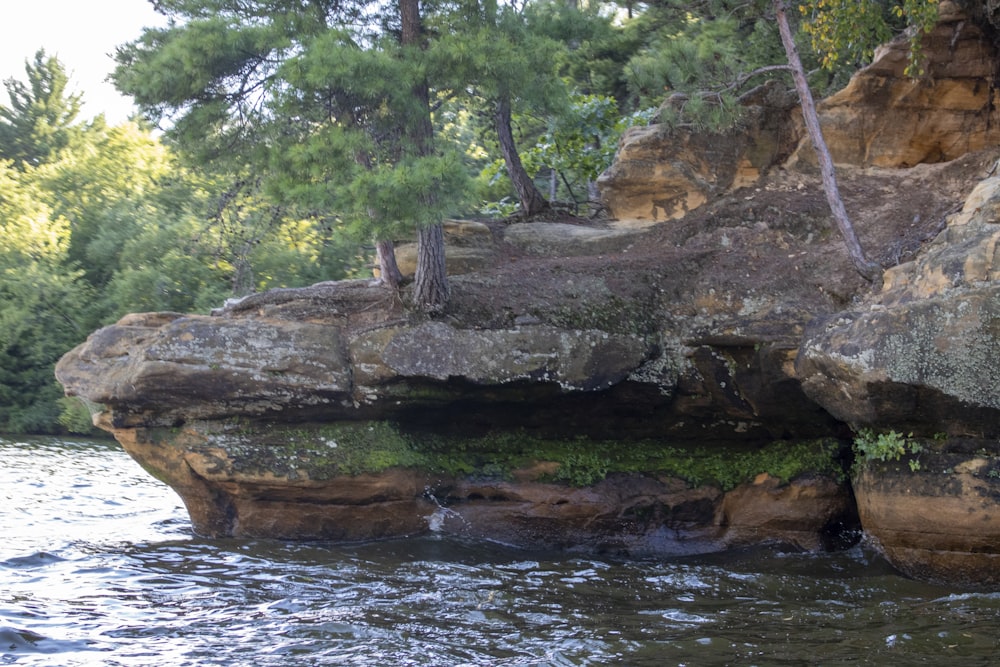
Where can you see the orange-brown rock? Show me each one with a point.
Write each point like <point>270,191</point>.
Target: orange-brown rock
<point>646,514</point>
<point>885,118</point>
<point>940,523</point>
<point>226,493</point>
<point>662,174</point>
<point>882,118</point>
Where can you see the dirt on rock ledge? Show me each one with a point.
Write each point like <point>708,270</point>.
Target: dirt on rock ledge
<point>774,238</point>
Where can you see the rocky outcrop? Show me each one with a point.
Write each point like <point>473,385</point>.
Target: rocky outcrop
<point>882,118</point>
<point>652,393</point>
<point>331,413</point>
<point>294,482</point>
<point>885,118</point>
<point>940,522</point>
<point>617,386</point>
<point>922,355</point>
<point>663,174</point>
<point>164,368</point>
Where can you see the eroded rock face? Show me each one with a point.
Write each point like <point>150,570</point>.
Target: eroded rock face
<point>923,354</point>
<point>921,357</point>
<point>884,118</point>
<point>940,523</point>
<point>234,484</point>
<point>686,338</point>
<point>270,417</point>
<point>162,369</point>
<point>662,175</point>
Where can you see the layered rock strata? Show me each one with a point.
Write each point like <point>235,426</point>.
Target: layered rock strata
<point>598,387</point>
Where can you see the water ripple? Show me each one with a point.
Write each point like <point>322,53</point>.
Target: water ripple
<point>99,568</point>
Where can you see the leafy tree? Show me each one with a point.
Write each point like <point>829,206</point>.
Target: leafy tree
<point>40,119</point>
<point>851,29</point>
<point>104,185</point>
<point>43,304</point>
<point>580,143</point>
<point>113,222</point>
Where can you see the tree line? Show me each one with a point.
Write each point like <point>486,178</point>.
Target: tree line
<point>284,142</point>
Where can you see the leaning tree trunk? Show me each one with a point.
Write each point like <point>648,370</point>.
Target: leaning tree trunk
<point>388,269</point>
<point>869,269</point>
<point>385,250</point>
<point>430,284</point>
<point>532,201</point>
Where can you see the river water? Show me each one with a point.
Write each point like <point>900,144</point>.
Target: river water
<point>98,567</point>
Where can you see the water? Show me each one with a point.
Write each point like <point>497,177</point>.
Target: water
<point>98,567</point>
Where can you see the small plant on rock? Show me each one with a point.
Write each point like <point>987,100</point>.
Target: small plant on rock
<point>872,446</point>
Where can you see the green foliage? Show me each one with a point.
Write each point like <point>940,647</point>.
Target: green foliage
<point>104,185</point>
<point>685,55</point>
<point>578,144</point>
<point>582,468</point>
<point>75,416</point>
<point>43,313</point>
<point>584,462</point>
<point>728,468</point>
<point>871,446</point>
<point>329,112</point>
<point>851,29</point>
<point>39,123</point>
<point>597,47</point>
<point>114,223</point>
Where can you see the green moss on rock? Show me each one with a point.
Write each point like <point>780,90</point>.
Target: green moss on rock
<point>324,451</point>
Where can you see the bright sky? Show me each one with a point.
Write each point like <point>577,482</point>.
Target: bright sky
<point>83,35</point>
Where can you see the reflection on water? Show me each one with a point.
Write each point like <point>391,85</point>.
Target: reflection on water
<point>97,567</point>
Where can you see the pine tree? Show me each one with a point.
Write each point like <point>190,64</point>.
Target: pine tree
<point>40,119</point>
<point>495,51</point>
<point>333,111</point>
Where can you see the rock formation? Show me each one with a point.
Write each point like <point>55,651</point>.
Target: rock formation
<point>623,386</point>
<point>662,174</point>
<point>921,358</point>
<point>922,355</point>
<point>886,119</point>
<point>882,118</point>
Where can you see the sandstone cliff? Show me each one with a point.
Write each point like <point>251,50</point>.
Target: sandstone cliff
<point>628,386</point>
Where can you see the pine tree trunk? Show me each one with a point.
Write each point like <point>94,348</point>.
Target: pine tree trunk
<point>532,201</point>
<point>430,284</point>
<point>388,270</point>
<point>869,269</point>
